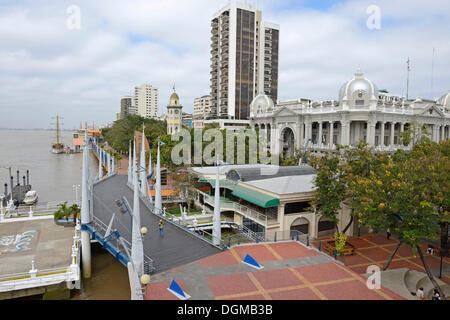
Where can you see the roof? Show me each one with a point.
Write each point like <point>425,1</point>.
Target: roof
<point>285,185</point>
<point>252,173</point>
<point>259,198</point>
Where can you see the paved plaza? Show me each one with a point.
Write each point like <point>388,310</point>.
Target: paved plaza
<point>375,249</point>
<point>291,271</point>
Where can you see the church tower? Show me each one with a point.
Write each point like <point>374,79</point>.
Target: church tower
<point>174,114</point>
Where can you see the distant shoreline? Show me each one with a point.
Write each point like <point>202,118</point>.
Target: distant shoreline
<point>37,129</point>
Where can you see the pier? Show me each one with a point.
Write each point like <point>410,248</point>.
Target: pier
<point>37,256</point>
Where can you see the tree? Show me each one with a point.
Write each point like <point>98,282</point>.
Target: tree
<point>405,193</point>
<point>335,171</point>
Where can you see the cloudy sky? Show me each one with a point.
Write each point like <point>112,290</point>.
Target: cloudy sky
<point>47,68</point>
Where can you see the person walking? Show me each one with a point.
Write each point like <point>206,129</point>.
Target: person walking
<point>420,294</point>
<point>388,233</point>
<point>436,295</point>
<point>161,228</point>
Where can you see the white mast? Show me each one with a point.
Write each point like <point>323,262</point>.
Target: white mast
<point>142,168</point>
<point>216,218</point>
<point>130,170</point>
<point>85,216</point>
<point>158,198</point>
<point>137,251</point>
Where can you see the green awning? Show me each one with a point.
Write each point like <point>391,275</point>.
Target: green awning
<point>223,184</point>
<point>260,199</point>
<point>255,197</point>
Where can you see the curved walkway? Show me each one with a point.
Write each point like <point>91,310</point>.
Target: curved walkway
<point>176,248</point>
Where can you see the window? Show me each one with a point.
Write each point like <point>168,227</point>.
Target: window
<point>359,102</point>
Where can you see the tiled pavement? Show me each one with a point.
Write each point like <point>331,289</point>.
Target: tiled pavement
<point>374,249</point>
<point>291,271</point>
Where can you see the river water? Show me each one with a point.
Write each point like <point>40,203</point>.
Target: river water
<point>53,176</point>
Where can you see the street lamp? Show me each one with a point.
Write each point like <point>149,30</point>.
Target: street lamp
<point>76,187</point>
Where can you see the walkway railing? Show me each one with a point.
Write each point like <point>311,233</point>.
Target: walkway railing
<point>172,218</point>
<point>243,210</point>
<point>125,244</point>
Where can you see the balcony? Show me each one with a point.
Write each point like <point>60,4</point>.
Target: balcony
<point>259,217</point>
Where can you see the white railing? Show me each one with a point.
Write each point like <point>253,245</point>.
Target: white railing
<point>244,210</point>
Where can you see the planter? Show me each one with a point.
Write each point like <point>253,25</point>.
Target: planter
<point>330,247</point>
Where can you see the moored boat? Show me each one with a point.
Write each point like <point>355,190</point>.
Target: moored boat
<point>30,197</point>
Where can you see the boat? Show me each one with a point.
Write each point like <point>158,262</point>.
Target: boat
<point>58,147</point>
<point>30,197</point>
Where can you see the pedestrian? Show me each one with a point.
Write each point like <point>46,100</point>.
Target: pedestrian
<point>436,295</point>
<point>420,294</point>
<point>161,228</point>
<point>388,233</point>
<point>430,249</point>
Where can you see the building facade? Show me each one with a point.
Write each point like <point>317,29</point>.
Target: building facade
<point>202,107</point>
<point>127,106</point>
<point>186,120</point>
<point>277,201</point>
<point>146,101</point>
<point>244,60</point>
<point>360,113</point>
<point>174,114</point>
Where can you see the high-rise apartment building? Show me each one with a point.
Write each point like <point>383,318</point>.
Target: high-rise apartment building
<point>244,60</point>
<point>146,101</point>
<point>202,107</point>
<point>126,106</point>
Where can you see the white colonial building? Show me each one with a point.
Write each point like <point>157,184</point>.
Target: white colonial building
<point>361,113</point>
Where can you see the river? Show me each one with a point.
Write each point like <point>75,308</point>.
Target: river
<point>54,176</point>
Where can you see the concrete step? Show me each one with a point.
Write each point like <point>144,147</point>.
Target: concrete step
<point>428,287</point>
<point>394,281</point>
<point>412,278</point>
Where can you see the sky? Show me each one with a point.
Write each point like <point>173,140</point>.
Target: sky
<point>48,66</point>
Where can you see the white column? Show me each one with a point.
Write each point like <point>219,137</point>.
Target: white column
<point>345,133</point>
<point>392,134</point>
<point>442,133</point>
<point>133,161</point>
<point>100,168</point>
<point>383,124</point>
<point>331,124</point>
<point>371,132</point>
<point>216,218</point>
<point>143,176</point>
<point>130,170</point>
<point>319,140</point>
<point>85,216</point>
<point>158,197</point>
<point>108,160</point>
<point>137,250</point>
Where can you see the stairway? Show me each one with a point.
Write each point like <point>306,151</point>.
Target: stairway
<point>404,281</point>
<point>415,279</point>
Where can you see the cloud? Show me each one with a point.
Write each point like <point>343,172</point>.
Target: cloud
<point>45,68</point>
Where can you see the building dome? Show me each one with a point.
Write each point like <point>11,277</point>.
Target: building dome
<point>445,100</point>
<point>260,105</point>
<point>174,99</point>
<point>358,88</point>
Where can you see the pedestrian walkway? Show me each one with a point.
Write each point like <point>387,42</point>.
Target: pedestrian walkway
<point>375,249</point>
<point>291,271</point>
